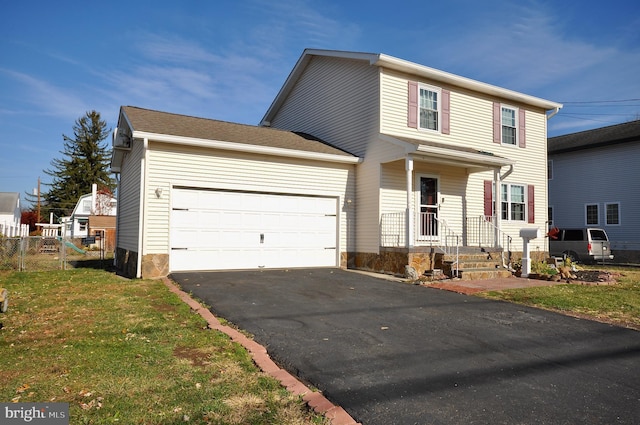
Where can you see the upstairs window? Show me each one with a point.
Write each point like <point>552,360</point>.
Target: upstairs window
<point>509,129</point>
<point>509,125</point>
<point>429,108</point>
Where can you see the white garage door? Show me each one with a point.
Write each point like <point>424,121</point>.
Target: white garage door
<point>215,230</point>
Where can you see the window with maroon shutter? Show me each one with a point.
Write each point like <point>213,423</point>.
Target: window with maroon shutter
<point>428,108</point>
<point>488,198</point>
<point>497,123</point>
<point>504,119</point>
<point>531,214</point>
<point>446,111</point>
<point>522,134</point>
<point>412,120</point>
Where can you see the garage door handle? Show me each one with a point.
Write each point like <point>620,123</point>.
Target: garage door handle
<point>261,237</point>
<point>179,249</point>
<point>330,247</point>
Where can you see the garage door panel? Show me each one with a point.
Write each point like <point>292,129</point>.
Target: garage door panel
<point>233,230</point>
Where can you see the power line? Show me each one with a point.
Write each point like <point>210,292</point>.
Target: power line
<point>603,101</point>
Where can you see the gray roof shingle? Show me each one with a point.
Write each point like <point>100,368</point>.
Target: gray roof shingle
<point>619,133</point>
<point>146,120</point>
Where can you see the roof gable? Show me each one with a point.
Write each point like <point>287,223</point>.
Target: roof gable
<point>604,136</point>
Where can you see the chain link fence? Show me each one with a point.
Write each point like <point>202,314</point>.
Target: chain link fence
<point>35,253</point>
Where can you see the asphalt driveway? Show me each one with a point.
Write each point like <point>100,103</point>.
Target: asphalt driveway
<point>394,353</point>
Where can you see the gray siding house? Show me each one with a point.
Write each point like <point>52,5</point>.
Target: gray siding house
<point>594,181</point>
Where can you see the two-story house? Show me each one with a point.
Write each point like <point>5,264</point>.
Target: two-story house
<point>594,182</point>
<point>362,160</point>
<point>445,159</point>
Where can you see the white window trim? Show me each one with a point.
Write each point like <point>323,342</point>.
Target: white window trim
<point>619,223</point>
<point>437,90</point>
<point>517,125</point>
<point>526,202</point>
<point>586,221</point>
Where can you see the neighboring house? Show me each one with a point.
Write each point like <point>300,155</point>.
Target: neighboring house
<point>89,205</point>
<point>594,181</point>
<point>10,215</point>
<point>404,160</point>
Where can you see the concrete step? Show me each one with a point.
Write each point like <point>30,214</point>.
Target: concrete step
<point>487,273</point>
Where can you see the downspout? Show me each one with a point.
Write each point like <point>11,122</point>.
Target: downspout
<point>115,256</point>
<point>555,111</point>
<point>143,186</point>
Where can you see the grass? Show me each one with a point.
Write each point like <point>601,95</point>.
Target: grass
<point>617,304</point>
<point>129,352</point>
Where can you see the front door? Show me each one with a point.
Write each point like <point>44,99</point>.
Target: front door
<point>428,215</point>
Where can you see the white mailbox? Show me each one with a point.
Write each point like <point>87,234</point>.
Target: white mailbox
<point>527,233</point>
<point>530,233</point>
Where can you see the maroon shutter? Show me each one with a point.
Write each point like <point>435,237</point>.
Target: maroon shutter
<point>497,123</point>
<point>488,198</point>
<point>531,204</point>
<point>522,134</point>
<point>446,111</point>
<point>412,120</point>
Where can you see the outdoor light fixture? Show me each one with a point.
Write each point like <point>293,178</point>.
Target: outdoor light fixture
<point>158,192</point>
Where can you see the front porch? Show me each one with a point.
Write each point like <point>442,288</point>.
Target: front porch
<point>481,251</point>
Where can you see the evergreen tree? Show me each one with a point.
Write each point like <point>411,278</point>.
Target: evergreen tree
<point>85,162</point>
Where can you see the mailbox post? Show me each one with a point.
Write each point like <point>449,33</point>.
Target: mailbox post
<point>527,233</point>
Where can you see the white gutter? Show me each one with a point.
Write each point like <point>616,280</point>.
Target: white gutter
<point>476,158</point>
<point>555,111</point>
<point>242,147</point>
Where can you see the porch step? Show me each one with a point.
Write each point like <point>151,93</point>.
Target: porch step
<point>479,274</point>
<point>475,264</point>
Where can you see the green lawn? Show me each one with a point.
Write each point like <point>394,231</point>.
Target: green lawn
<point>130,352</point>
<point>618,303</point>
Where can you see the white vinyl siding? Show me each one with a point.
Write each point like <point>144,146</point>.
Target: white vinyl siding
<point>128,217</point>
<point>227,170</point>
<point>470,120</point>
<point>335,100</point>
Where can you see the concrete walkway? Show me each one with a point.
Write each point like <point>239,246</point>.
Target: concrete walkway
<point>474,286</point>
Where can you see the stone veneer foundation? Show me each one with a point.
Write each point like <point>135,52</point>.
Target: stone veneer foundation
<point>394,260</point>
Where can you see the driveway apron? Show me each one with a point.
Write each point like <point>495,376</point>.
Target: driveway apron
<point>394,353</point>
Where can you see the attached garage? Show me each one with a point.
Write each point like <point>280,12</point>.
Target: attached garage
<point>200,194</point>
<point>223,230</point>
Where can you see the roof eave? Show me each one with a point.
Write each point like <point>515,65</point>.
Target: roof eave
<point>457,80</point>
<point>247,148</point>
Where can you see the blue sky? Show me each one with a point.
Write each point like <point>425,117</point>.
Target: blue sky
<point>227,59</point>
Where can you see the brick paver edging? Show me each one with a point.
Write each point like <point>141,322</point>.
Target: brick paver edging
<point>315,400</point>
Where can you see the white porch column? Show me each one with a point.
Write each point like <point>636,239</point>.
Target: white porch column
<point>409,219</point>
<point>497,207</point>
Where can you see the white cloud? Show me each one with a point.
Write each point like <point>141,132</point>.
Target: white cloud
<point>45,98</point>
